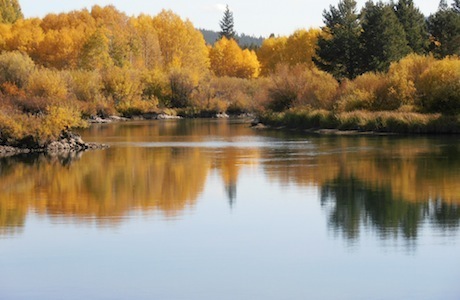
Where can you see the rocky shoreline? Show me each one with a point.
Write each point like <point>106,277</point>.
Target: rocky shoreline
<point>67,142</point>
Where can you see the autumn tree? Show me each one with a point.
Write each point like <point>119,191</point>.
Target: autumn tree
<point>271,54</point>
<point>95,52</point>
<point>339,46</point>
<point>182,46</point>
<point>117,32</point>
<point>383,38</point>
<point>227,59</point>
<point>25,36</point>
<point>301,47</point>
<point>147,42</point>
<point>227,24</point>
<point>10,11</point>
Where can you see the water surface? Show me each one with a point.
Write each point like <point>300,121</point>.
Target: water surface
<point>212,209</point>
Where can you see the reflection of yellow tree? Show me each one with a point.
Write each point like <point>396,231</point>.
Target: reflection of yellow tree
<point>400,164</point>
<point>108,185</point>
<point>104,185</point>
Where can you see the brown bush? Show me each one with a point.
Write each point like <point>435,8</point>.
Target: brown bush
<point>301,87</point>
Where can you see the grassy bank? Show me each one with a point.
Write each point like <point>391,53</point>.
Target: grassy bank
<point>382,121</point>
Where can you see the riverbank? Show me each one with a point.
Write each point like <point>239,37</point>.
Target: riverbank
<point>361,122</point>
<point>67,142</point>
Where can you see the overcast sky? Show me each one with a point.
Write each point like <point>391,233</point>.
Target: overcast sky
<point>252,17</point>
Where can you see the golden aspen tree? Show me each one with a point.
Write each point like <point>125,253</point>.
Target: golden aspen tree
<point>117,30</point>
<point>182,46</point>
<point>227,59</point>
<point>271,53</point>
<point>250,66</point>
<point>25,36</point>
<point>301,47</point>
<point>95,52</point>
<point>148,45</point>
<point>60,48</point>
<point>5,34</point>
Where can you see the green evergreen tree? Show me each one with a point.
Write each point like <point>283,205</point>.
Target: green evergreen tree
<point>414,25</point>
<point>444,28</point>
<point>10,11</point>
<point>383,38</point>
<point>227,24</point>
<point>456,6</point>
<point>338,49</point>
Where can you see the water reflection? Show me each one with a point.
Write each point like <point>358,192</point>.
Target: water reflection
<point>390,185</point>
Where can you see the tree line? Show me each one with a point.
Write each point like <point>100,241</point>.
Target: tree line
<point>101,61</point>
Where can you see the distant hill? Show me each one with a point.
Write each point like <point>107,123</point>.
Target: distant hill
<point>244,40</point>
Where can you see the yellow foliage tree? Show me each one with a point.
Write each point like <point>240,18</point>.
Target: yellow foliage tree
<point>25,36</point>
<point>301,47</point>
<point>298,48</point>
<point>148,45</point>
<point>182,46</point>
<point>117,29</point>
<point>60,48</point>
<point>271,53</point>
<point>404,76</point>
<point>227,59</point>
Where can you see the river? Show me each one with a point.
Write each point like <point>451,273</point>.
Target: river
<point>212,209</point>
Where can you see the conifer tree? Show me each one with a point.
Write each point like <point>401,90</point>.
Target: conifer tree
<point>383,38</point>
<point>338,47</point>
<point>226,25</point>
<point>414,25</point>
<point>456,6</point>
<point>444,28</point>
<point>10,11</point>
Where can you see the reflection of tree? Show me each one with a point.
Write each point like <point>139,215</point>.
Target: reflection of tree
<point>446,216</point>
<point>105,185</point>
<point>390,184</point>
<point>353,204</point>
<point>229,168</point>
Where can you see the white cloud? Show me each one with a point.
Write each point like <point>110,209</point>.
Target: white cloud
<point>217,7</point>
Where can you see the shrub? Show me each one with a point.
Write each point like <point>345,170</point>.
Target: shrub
<point>48,83</point>
<point>439,87</point>
<point>34,130</point>
<point>156,87</point>
<point>182,84</point>
<point>125,87</point>
<point>403,78</point>
<point>366,92</point>
<point>225,94</point>
<point>15,68</point>
<point>86,85</point>
<point>301,87</point>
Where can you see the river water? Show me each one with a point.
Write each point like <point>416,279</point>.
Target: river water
<point>212,209</point>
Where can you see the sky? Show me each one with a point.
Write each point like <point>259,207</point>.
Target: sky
<point>252,17</point>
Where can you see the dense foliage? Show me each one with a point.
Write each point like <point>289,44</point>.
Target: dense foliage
<point>100,62</point>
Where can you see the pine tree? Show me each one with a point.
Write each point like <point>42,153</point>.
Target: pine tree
<point>10,11</point>
<point>444,28</point>
<point>414,25</point>
<point>226,25</point>
<point>456,6</point>
<point>383,38</point>
<point>338,46</point>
